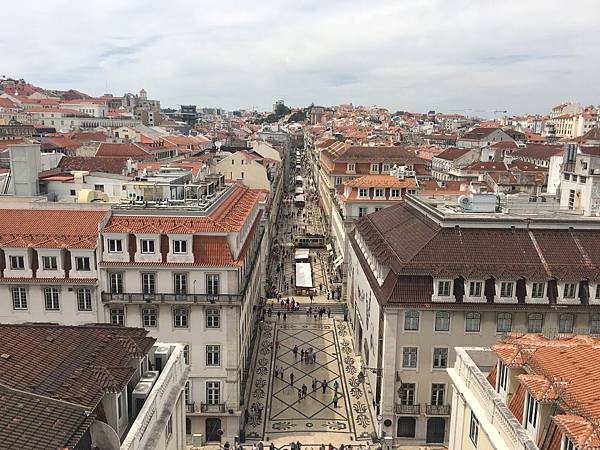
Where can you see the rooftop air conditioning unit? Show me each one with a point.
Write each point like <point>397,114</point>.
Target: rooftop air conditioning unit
<point>161,355</point>
<point>149,376</point>
<point>139,395</point>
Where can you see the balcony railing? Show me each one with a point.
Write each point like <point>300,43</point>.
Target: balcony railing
<point>413,410</point>
<point>190,407</point>
<point>138,297</point>
<point>212,408</point>
<point>437,410</point>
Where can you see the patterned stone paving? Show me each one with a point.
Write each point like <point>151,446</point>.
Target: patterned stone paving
<point>281,410</point>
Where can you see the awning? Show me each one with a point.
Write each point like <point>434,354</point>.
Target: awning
<point>303,275</point>
<point>302,253</point>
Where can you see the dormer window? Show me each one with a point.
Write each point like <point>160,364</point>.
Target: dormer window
<point>444,288</point>
<point>147,246</point>
<point>568,444</point>
<point>475,288</point>
<point>379,192</point>
<point>49,263</point>
<point>597,296</point>
<point>180,247</point>
<point>531,415</point>
<point>569,290</point>
<point>82,263</point>
<point>17,263</point>
<point>386,168</point>
<point>363,192</point>
<point>374,168</point>
<point>506,289</point>
<point>538,289</point>
<point>351,167</point>
<point>395,193</point>
<point>115,245</point>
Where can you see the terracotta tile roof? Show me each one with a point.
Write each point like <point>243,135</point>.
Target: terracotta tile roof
<point>7,103</point>
<point>538,151</point>
<point>539,387</point>
<point>450,154</point>
<point>49,228</point>
<point>213,251</point>
<point>114,165</point>
<point>584,434</point>
<point>517,403</point>
<point>479,133</point>
<point>122,150</point>
<point>491,378</point>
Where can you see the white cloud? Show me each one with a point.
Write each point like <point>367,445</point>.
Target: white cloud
<point>415,55</point>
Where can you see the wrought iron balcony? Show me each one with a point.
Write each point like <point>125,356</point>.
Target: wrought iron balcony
<point>190,407</point>
<point>139,297</point>
<point>212,408</point>
<point>437,410</point>
<point>413,410</point>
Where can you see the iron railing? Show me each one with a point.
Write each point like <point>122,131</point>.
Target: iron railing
<point>212,408</point>
<point>413,410</point>
<point>139,297</point>
<point>437,410</point>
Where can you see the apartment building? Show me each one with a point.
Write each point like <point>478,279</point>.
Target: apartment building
<point>580,178</point>
<point>188,271</point>
<point>480,137</point>
<point>451,160</point>
<point>526,392</point>
<point>424,279</point>
<point>90,387</point>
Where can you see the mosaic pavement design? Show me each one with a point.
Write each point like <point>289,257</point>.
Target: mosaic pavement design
<point>282,411</point>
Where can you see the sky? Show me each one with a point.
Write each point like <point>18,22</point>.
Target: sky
<point>465,56</point>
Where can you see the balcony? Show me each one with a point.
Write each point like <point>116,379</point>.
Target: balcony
<point>138,297</point>
<point>411,410</point>
<point>437,410</point>
<point>190,407</point>
<point>212,408</point>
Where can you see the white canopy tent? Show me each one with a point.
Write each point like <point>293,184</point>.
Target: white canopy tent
<point>304,276</point>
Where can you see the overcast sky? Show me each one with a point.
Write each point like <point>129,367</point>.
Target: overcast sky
<point>478,56</point>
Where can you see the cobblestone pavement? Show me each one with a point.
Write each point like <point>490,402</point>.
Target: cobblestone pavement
<point>282,411</point>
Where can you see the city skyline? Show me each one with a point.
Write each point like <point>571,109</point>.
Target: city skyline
<point>399,55</point>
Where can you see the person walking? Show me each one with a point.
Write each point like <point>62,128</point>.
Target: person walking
<point>336,399</point>
<point>328,313</point>
<point>336,386</point>
<point>295,351</point>
<point>292,378</point>
<point>324,385</point>
<point>299,394</point>
<point>304,390</point>
<point>314,385</point>
<point>284,317</point>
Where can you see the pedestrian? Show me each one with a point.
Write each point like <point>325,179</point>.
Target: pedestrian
<point>272,446</point>
<point>336,398</point>
<point>327,295</point>
<point>295,351</point>
<point>299,394</point>
<point>320,287</point>
<point>324,385</point>
<point>328,313</point>
<point>276,345</point>
<point>336,385</point>
<point>261,446</point>
<point>276,370</point>
<point>314,385</point>
<point>292,378</point>
<point>298,446</point>
<point>278,315</point>
<point>331,446</point>
<point>314,357</point>
<point>284,317</point>
<point>281,373</point>
<point>301,355</point>
<point>304,390</point>
<point>322,447</point>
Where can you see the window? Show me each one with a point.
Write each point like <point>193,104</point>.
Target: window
<point>571,199</point>
<point>506,289</point>
<point>503,322</point>
<point>442,321</point>
<point>179,246</point>
<point>147,246</point>
<point>82,263</point>
<point>17,263</point>
<point>437,394</point>
<point>213,392</point>
<point>386,168</point>
<point>475,289</point>
<point>502,376</point>
<point>149,317</point>
<point>213,318</point>
<point>474,429</point>
<point>99,187</point>
<point>440,358</point>
<point>19,297</point>
<point>568,444</point>
<point>339,180</point>
<point>148,283</point>
<point>49,262</point>
<point>115,280</point>
<point>531,407</point>
<point>187,393</point>
<point>407,393</point>
<point>444,288</point>
<point>379,192</point>
<point>180,318</point>
<point>406,427</point>
<point>72,192</point>
<point>409,357</point>
<point>374,168</point>
<point>84,299</point>
<point>598,291</point>
<point>212,284</point>
<point>115,245</point>
<point>169,428</point>
<point>569,290</point>
<point>472,322</point>
<point>363,192</point>
<point>351,167</point>
<point>411,321</point>
<point>535,322</point>
<point>51,299</point>
<point>582,179</point>
<point>120,406</point>
<point>186,353</point>
<point>213,355</point>
<point>565,323</point>
<point>362,211</point>
<point>180,283</point>
<point>595,324</point>
<point>395,193</point>
<point>117,316</point>
<point>537,290</point>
